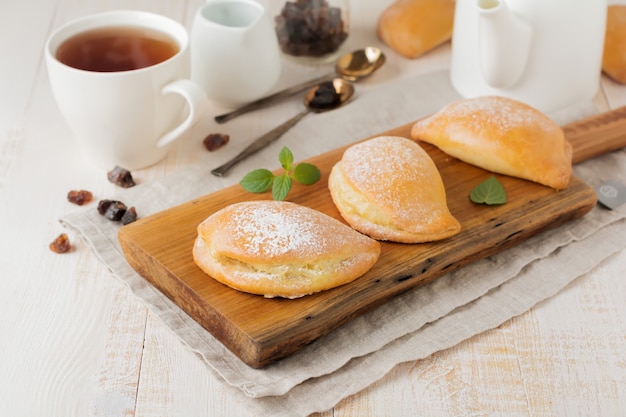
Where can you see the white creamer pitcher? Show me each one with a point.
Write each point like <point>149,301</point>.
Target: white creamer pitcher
<point>546,53</point>
<point>235,55</point>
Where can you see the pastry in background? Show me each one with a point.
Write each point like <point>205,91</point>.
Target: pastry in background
<point>614,57</point>
<point>501,135</point>
<point>413,27</point>
<point>390,189</point>
<point>281,249</point>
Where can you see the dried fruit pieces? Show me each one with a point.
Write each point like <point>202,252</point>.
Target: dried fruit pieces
<point>112,209</point>
<point>117,211</point>
<point>79,197</point>
<point>121,176</point>
<point>326,97</point>
<point>61,244</point>
<point>130,216</point>
<point>214,141</point>
<point>310,28</point>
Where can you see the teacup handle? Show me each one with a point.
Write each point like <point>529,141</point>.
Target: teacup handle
<point>196,99</point>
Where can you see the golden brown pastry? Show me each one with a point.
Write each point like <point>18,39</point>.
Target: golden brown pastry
<point>390,189</point>
<point>614,57</point>
<point>413,27</point>
<point>281,249</point>
<point>501,135</point>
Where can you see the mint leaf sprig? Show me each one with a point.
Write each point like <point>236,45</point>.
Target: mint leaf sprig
<point>262,180</point>
<point>490,192</point>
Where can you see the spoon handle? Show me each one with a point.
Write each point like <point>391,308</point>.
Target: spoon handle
<point>265,101</point>
<point>260,143</point>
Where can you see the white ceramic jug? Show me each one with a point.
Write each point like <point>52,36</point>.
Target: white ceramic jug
<point>235,55</point>
<point>547,53</point>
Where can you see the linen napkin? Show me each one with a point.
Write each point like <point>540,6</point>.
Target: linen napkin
<point>412,326</point>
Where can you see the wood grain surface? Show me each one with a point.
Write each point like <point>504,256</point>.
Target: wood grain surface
<point>261,331</point>
<point>597,134</point>
<point>76,341</point>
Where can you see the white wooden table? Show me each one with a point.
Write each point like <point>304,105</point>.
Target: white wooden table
<point>74,341</point>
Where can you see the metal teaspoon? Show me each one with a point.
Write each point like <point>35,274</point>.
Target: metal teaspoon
<point>351,66</point>
<point>326,96</point>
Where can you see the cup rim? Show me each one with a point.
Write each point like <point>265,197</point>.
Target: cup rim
<point>140,18</point>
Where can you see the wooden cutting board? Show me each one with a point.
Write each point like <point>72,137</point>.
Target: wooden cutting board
<point>260,331</point>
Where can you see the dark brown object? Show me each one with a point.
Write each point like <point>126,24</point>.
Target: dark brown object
<point>121,176</point>
<point>129,216</point>
<point>261,331</point>
<point>61,244</point>
<point>79,197</point>
<point>310,28</point>
<point>326,97</point>
<point>214,141</point>
<point>112,209</point>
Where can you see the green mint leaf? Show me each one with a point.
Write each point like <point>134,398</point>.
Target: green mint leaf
<point>489,192</point>
<point>281,187</point>
<point>262,180</point>
<point>258,181</point>
<point>286,158</point>
<point>306,174</point>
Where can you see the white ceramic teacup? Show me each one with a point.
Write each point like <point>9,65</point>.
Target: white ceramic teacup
<point>126,117</point>
<point>235,55</point>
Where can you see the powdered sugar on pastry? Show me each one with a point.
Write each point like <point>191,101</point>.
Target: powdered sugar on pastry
<point>281,249</point>
<point>505,114</point>
<point>365,166</point>
<point>390,189</point>
<point>274,231</point>
<point>501,135</point>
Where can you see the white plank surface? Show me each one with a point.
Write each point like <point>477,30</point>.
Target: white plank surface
<point>76,342</point>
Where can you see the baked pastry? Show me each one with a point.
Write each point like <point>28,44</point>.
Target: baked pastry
<point>501,135</point>
<point>413,27</point>
<point>281,249</point>
<point>614,57</point>
<point>390,189</point>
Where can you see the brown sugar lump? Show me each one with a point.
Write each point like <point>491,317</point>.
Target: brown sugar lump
<point>281,249</point>
<point>414,27</point>
<point>501,135</point>
<point>390,189</point>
